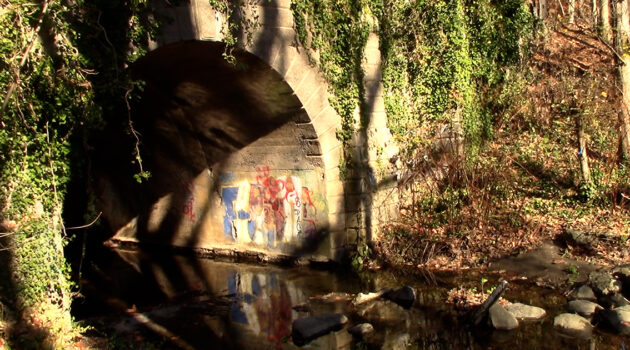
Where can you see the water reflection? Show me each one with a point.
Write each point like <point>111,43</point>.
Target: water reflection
<point>194,303</point>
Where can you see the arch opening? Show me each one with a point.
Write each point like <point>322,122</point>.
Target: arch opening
<point>235,162</point>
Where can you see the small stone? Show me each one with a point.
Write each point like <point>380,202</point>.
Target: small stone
<point>404,296</point>
<point>361,330</point>
<point>306,329</point>
<point>618,319</point>
<point>501,318</point>
<point>583,307</point>
<point>613,301</point>
<point>585,293</point>
<point>526,312</point>
<point>573,325</point>
<point>362,298</point>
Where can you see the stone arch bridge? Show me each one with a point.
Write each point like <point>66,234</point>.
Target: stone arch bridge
<point>244,157</point>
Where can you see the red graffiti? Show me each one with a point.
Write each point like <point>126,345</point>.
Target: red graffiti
<point>189,205</point>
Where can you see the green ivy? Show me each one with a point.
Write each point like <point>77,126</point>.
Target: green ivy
<point>453,59</point>
<point>62,76</point>
<point>440,58</point>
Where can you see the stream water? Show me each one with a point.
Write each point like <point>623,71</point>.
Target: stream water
<point>194,303</point>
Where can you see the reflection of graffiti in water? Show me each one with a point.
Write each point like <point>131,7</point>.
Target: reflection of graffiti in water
<point>265,306</point>
<point>268,211</point>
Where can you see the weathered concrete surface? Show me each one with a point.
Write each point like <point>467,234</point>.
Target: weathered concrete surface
<point>246,155</point>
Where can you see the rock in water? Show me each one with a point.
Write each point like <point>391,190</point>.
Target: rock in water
<point>583,307</point>
<point>404,296</point>
<point>501,318</point>
<point>585,293</point>
<point>362,298</point>
<point>361,329</point>
<point>309,328</point>
<point>613,301</point>
<point>526,312</point>
<point>617,319</point>
<point>604,283</point>
<point>573,325</point>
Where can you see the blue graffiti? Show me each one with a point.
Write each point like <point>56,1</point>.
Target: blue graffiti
<point>228,195</point>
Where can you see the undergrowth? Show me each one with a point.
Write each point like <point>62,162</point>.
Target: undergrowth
<point>525,184</point>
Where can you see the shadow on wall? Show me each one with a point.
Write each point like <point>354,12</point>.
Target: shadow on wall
<point>224,145</point>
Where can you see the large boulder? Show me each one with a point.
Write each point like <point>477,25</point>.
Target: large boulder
<point>526,312</point>
<point>573,325</point>
<point>309,328</point>
<point>612,301</point>
<point>583,307</point>
<point>617,320</point>
<point>404,296</point>
<point>501,318</point>
<point>604,283</point>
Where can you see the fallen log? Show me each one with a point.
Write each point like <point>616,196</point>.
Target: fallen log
<point>478,314</point>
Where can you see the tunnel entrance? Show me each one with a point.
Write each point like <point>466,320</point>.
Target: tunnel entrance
<point>234,160</point>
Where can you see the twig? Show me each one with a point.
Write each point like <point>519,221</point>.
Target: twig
<point>87,225</point>
<point>612,49</point>
<point>584,42</point>
<point>98,22</point>
<point>133,131</point>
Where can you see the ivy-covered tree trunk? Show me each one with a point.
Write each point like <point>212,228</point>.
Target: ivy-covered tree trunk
<point>45,98</point>
<point>622,40</point>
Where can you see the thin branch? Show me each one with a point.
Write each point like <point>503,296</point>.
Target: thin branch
<point>98,22</point>
<point>133,131</point>
<point>583,42</point>
<point>87,225</point>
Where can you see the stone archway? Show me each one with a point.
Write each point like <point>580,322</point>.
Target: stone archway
<point>285,111</point>
<point>235,160</point>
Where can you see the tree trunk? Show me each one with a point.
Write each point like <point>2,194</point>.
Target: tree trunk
<point>622,41</point>
<point>571,11</point>
<point>582,155</point>
<point>604,20</point>
<point>543,9</point>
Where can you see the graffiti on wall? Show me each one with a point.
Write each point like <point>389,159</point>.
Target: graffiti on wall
<point>268,211</point>
<point>188,208</point>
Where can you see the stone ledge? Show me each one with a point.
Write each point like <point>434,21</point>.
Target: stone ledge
<point>224,254</point>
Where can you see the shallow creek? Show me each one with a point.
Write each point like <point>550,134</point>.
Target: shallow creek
<point>195,303</point>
